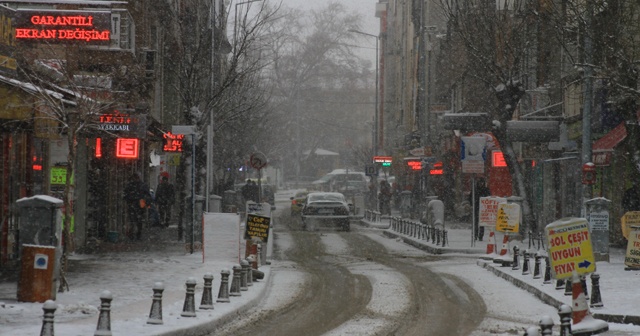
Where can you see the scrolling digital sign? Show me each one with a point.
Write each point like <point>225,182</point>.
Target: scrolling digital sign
<point>63,26</point>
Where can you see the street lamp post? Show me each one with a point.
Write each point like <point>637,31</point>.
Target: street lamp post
<point>375,117</point>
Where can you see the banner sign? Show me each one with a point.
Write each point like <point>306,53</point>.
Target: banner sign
<point>631,218</point>
<point>632,259</point>
<point>257,227</point>
<point>569,248</point>
<point>51,26</point>
<point>488,210</point>
<point>508,219</point>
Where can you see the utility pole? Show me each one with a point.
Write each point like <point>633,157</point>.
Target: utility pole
<point>588,99</point>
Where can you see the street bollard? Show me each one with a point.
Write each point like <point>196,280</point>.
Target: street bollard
<point>104,319</point>
<point>596,298</point>
<point>223,292</point>
<point>525,263</point>
<point>49,309</point>
<point>189,307</point>
<point>583,282</point>
<point>547,271</point>
<point>235,282</point>
<point>565,320</point>
<point>207,296</point>
<point>536,267</point>
<point>445,238</point>
<point>249,271</point>
<point>516,265</point>
<point>559,284</point>
<point>246,269</point>
<point>155,314</point>
<point>546,326</point>
<point>243,275</point>
<point>568,291</point>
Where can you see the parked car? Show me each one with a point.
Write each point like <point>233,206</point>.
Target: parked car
<point>297,202</point>
<point>326,208</point>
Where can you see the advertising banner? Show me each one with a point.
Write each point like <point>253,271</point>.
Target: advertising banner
<point>569,248</point>
<point>488,210</point>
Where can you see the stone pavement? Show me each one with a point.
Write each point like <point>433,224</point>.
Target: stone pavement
<point>617,286</point>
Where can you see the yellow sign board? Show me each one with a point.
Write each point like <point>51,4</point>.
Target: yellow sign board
<point>174,160</point>
<point>257,227</point>
<point>508,218</point>
<point>569,247</point>
<point>631,218</point>
<point>632,259</point>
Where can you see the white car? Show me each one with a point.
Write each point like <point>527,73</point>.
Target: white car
<point>326,207</point>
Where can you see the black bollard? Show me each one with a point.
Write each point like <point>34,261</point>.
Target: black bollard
<point>559,284</point>
<point>525,262</point>
<point>189,307</point>
<point>445,238</point>
<point>536,267</point>
<point>547,270</point>
<point>223,293</point>
<point>104,319</point>
<point>546,326</point>
<point>207,296</point>
<point>532,331</point>
<point>235,282</point>
<point>583,282</point>
<point>49,309</point>
<point>248,267</point>
<point>155,314</point>
<point>568,291</point>
<point>596,298</point>
<point>516,264</point>
<point>565,320</point>
<point>243,276</point>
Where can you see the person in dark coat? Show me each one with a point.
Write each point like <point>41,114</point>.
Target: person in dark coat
<point>165,198</point>
<point>481,191</point>
<point>137,197</point>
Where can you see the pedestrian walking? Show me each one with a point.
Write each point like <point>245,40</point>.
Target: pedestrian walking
<point>481,191</point>
<point>631,198</point>
<point>246,191</point>
<point>137,198</point>
<point>373,193</point>
<point>165,198</point>
<point>385,197</point>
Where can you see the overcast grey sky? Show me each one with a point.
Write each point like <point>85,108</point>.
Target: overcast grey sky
<point>367,8</point>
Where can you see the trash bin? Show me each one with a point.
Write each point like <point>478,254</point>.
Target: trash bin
<point>38,264</point>
<point>40,241</point>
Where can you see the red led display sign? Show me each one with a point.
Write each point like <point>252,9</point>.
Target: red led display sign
<point>414,164</point>
<point>497,159</point>
<point>127,148</point>
<point>173,142</point>
<point>63,26</point>
<point>438,169</point>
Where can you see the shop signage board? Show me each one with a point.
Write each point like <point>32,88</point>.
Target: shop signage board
<point>55,26</point>
<point>631,218</point>
<point>632,259</point>
<point>257,227</point>
<point>488,210</point>
<point>508,218</point>
<point>473,154</point>
<point>569,248</point>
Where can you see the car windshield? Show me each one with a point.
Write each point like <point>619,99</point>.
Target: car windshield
<point>326,197</point>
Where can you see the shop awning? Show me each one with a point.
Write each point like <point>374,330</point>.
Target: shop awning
<point>603,147</point>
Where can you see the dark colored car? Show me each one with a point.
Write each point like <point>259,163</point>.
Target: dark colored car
<point>326,208</point>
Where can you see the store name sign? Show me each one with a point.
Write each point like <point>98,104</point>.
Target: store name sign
<point>60,26</point>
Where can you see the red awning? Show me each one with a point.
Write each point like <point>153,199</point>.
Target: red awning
<point>603,147</point>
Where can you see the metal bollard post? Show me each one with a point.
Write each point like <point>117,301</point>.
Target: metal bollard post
<point>515,265</point>
<point>532,331</point>
<point>560,284</point>
<point>547,271</point>
<point>568,291</point>
<point>250,260</point>
<point>155,314</point>
<point>565,320</point>
<point>49,309</point>
<point>546,326</point>
<point>445,238</point>
<point>583,282</point>
<point>437,237</point>
<point>235,282</point>
<point>223,292</point>
<point>596,298</point>
<point>244,263</point>
<point>207,296</point>
<point>525,262</point>
<point>189,307</point>
<point>536,267</point>
<point>104,319</point>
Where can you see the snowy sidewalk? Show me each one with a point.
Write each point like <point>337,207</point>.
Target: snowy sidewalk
<point>617,286</point>
<point>129,270</point>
